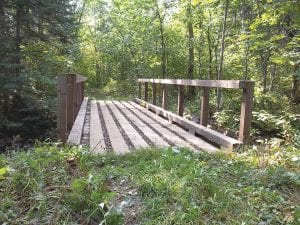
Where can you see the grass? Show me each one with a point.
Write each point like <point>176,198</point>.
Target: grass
<point>52,185</point>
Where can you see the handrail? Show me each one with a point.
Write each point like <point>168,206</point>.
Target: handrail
<point>70,93</point>
<point>246,106</point>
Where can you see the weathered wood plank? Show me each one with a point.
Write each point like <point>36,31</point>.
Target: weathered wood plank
<point>201,144</point>
<point>165,96</point>
<point>71,111</point>
<point>76,131</point>
<point>237,84</point>
<point>166,133</point>
<point>117,141</point>
<point>62,132</point>
<point>155,138</point>
<point>97,143</point>
<point>133,135</point>
<point>246,114</point>
<point>210,134</point>
<point>204,107</point>
<point>146,92</point>
<point>154,88</point>
<point>180,101</point>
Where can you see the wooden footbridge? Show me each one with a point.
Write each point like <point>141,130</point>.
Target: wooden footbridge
<point>122,126</point>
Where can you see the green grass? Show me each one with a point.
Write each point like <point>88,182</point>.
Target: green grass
<point>51,185</point>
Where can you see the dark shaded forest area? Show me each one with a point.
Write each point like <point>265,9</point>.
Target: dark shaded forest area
<point>115,42</point>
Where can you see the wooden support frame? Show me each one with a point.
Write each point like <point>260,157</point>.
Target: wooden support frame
<point>70,94</point>
<point>165,96</point>
<point>204,113</point>
<point>154,90</point>
<point>247,99</point>
<point>146,92</point>
<point>180,101</point>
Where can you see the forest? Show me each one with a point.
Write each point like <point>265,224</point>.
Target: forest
<point>115,42</point>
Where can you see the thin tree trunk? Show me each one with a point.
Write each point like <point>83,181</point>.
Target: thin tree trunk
<point>220,70</point>
<point>17,59</point>
<point>295,90</point>
<point>264,59</point>
<point>191,57</point>
<point>162,43</point>
<point>209,48</point>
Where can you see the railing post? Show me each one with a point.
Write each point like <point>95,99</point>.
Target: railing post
<point>204,107</point>
<point>180,106</point>
<point>146,92</point>
<point>62,108</point>
<point>165,96</point>
<point>246,113</point>
<point>71,81</point>
<point>154,93</point>
<point>140,90</point>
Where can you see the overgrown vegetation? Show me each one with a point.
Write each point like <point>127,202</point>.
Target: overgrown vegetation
<point>52,185</point>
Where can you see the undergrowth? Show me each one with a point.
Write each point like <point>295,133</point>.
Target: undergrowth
<point>52,185</point>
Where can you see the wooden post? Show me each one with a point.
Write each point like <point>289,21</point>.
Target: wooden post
<point>140,90</point>
<point>204,107</point>
<point>246,113</point>
<point>62,108</point>
<point>165,96</point>
<point>71,81</point>
<point>146,91</point>
<point>180,105</point>
<point>154,93</point>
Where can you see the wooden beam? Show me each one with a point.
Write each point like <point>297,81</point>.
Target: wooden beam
<point>140,90</point>
<point>180,103</point>
<point>236,84</point>
<point>62,108</point>
<point>246,114</point>
<point>71,81</point>
<point>154,93</point>
<point>204,107</point>
<point>165,96</point>
<point>146,92</point>
<point>208,133</point>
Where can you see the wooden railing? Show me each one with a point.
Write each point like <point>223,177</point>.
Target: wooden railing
<point>70,94</point>
<point>206,85</point>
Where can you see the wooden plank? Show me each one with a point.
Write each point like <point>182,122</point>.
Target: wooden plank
<point>180,102</point>
<point>165,96</point>
<point>80,79</point>
<point>117,141</point>
<point>146,92</point>
<point>155,138</point>
<point>204,107</point>
<point>196,141</point>
<point>140,90</point>
<point>97,142</point>
<point>70,100</point>
<point>166,133</point>
<point>76,132</point>
<point>236,84</point>
<point>154,88</point>
<point>133,135</point>
<point>210,134</point>
<point>246,114</point>
<point>62,108</point>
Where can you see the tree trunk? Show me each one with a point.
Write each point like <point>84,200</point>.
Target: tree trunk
<point>18,18</point>
<point>162,44</point>
<point>295,90</point>
<point>264,59</point>
<point>191,57</point>
<point>220,70</point>
<point>209,52</point>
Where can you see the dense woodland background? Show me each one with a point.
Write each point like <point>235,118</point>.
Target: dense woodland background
<point>115,42</point>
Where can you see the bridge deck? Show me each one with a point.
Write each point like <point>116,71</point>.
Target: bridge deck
<point>121,127</point>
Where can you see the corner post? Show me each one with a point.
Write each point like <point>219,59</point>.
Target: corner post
<point>180,105</point>
<point>71,81</point>
<point>246,113</point>
<point>204,107</point>
<point>62,108</point>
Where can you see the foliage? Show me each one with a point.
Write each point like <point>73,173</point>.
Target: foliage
<point>260,185</point>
